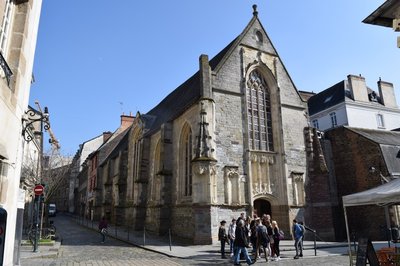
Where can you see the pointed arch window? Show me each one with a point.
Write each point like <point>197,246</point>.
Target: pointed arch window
<point>137,148</point>
<point>157,179</point>
<point>259,113</point>
<point>186,152</point>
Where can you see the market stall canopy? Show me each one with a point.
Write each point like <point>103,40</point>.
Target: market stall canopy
<point>388,193</point>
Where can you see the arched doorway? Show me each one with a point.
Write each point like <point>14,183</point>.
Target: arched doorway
<point>261,207</point>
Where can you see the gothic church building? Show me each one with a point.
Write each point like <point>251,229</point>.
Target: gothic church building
<point>228,140</point>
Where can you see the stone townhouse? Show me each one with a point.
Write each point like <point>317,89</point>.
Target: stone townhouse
<point>227,140</point>
<point>19,22</point>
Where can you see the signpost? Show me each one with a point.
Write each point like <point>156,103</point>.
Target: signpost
<point>38,190</point>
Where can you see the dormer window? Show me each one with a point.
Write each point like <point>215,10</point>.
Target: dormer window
<point>373,97</point>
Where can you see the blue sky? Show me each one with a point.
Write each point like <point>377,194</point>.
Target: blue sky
<point>96,60</point>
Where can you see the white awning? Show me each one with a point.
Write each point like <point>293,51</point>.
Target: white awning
<point>387,193</point>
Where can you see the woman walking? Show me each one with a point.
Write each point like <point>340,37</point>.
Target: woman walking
<point>276,236</point>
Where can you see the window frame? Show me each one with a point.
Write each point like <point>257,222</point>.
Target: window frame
<point>259,114</point>
<point>380,121</point>
<point>5,27</point>
<point>333,118</point>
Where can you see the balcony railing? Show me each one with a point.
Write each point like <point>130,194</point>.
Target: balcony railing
<point>7,70</point>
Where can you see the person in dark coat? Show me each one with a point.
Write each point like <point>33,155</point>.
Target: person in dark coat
<point>222,237</point>
<point>241,244</point>
<point>103,228</point>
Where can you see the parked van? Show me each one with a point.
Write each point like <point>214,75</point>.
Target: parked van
<point>52,209</point>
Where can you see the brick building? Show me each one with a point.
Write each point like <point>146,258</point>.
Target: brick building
<point>339,163</point>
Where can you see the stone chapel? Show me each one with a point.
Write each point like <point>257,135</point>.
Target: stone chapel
<point>228,140</point>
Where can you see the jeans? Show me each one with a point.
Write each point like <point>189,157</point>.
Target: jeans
<point>298,244</point>
<point>231,248</point>
<point>245,253</point>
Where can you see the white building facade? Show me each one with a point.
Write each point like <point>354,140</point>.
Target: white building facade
<point>18,33</point>
<point>351,103</point>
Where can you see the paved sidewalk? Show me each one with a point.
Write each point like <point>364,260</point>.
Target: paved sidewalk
<point>161,245</point>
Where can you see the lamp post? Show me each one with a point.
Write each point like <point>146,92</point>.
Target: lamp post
<point>384,180</point>
<point>31,117</point>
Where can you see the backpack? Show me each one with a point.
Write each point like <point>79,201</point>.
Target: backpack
<point>262,233</point>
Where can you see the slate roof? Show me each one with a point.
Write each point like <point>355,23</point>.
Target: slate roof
<point>379,136</point>
<point>108,147</point>
<point>389,142</point>
<point>327,98</point>
<point>179,100</point>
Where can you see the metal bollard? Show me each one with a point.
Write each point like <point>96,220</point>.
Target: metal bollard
<point>170,242</point>
<point>144,236</point>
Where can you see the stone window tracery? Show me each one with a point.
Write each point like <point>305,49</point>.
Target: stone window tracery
<point>259,113</point>
<point>137,146</point>
<point>186,156</point>
<point>156,184</point>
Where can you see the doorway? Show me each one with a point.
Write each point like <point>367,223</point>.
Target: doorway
<point>261,207</point>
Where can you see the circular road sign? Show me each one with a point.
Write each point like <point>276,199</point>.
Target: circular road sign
<point>38,190</point>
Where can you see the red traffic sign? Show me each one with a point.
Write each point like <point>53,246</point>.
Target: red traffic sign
<point>38,190</point>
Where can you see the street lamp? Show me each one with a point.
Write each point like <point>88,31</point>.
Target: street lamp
<point>31,117</point>
<point>384,180</point>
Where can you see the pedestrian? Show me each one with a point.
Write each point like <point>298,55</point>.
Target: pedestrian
<point>262,240</point>
<point>253,235</point>
<point>298,237</point>
<point>241,244</point>
<point>222,237</point>
<point>277,238</point>
<point>231,235</point>
<point>103,228</point>
<point>270,235</point>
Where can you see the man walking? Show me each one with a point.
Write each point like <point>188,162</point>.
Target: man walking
<point>241,244</point>
<point>298,234</point>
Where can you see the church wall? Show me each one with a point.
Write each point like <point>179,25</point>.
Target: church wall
<point>182,212</point>
<point>153,210</point>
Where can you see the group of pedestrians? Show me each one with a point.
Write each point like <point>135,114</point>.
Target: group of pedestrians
<point>262,234</point>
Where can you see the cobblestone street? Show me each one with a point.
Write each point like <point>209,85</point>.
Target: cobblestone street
<point>81,246</point>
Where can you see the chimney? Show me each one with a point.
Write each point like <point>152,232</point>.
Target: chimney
<point>386,91</point>
<point>205,77</point>
<point>126,120</point>
<point>106,136</point>
<point>358,88</point>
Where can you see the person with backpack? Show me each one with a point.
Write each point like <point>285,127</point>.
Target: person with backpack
<point>298,234</point>
<point>262,240</point>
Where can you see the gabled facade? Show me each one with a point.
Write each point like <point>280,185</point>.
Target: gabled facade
<point>77,165</point>
<point>224,142</point>
<point>351,103</point>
